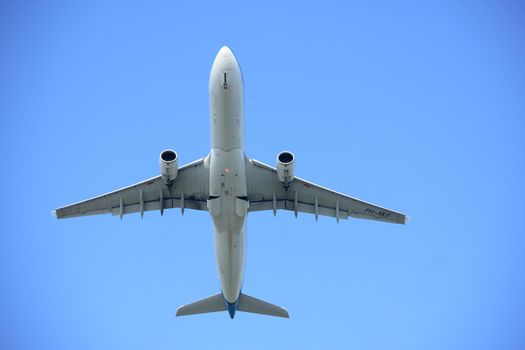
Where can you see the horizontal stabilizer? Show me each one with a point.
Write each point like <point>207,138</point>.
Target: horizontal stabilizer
<point>211,304</point>
<point>245,303</point>
<point>253,305</point>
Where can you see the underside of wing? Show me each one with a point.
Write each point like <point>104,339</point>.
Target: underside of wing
<point>188,190</point>
<point>266,192</point>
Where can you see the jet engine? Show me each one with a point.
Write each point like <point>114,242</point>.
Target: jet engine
<point>168,165</point>
<point>285,167</point>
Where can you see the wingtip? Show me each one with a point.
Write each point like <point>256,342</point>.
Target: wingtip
<point>407,219</point>
<point>54,214</point>
<point>181,311</point>
<point>178,312</point>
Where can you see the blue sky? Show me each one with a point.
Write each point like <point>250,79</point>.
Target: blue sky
<point>416,106</point>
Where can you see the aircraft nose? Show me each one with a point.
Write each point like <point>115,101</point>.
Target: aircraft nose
<point>225,69</point>
<point>226,56</point>
<point>225,50</point>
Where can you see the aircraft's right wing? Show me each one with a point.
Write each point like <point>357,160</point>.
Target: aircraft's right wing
<point>188,190</point>
<point>266,192</point>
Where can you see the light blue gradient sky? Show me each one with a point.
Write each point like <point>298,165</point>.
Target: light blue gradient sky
<point>416,106</point>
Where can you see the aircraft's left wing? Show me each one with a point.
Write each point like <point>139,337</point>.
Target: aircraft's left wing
<point>188,190</point>
<point>266,192</point>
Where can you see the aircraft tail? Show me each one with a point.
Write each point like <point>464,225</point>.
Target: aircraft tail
<point>211,304</point>
<point>245,303</point>
<point>256,306</point>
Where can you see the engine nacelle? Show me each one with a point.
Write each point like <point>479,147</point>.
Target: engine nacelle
<point>285,167</point>
<point>168,165</point>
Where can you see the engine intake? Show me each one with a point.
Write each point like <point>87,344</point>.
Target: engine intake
<point>285,167</point>
<point>168,165</point>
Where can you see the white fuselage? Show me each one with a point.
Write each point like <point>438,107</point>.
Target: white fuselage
<point>228,203</point>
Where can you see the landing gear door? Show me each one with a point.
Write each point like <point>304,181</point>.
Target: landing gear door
<point>225,79</point>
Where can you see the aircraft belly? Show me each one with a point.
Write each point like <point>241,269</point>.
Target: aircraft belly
<point>228,208</point>
<point>227,130</point>
<point>230,255</point>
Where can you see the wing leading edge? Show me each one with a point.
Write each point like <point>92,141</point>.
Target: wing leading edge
<point>266,192</point>
<point>188,190</point>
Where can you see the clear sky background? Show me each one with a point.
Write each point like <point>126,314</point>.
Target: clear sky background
<point>417,106</point>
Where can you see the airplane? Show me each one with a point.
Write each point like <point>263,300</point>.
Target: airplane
<point>229,185</point>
